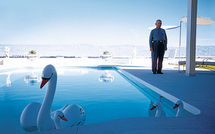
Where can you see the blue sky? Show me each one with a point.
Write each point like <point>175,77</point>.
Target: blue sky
<point>98,22</point>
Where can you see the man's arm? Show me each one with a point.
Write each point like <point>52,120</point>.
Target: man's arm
<point>150,41</point>
<point>165,40</point>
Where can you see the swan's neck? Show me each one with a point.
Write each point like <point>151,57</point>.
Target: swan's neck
<point>180,110</point>
<point>158,111</point>
<point>44,120</point>
<point>47,102</point>
<point>57,122</point>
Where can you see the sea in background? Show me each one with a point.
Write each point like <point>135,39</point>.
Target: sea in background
<point>93,50</point>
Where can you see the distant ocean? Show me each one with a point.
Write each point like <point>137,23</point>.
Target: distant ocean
<point>93,50</point>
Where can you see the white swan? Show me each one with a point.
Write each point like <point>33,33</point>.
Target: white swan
<point>158,106</point>
<point>36,115</point>
<point>75,115</point>
<point>180,105</point>
<point>53,111</point>
<point>58,115</point>
<point>29,116</point>
<point>74,112</point>
<point>44,121</point>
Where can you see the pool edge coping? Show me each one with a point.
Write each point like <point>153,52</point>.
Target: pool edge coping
<point>187,106</point>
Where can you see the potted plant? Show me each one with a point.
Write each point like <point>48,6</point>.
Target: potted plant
<point>32,55</point>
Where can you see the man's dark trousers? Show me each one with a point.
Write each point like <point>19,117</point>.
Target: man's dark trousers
<point>157,56</point>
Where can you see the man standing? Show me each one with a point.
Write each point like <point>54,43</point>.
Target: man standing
<point>158,46</point>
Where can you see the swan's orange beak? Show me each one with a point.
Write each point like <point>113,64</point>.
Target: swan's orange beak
<point>176,105</point>
<point>44,81</point>
<point>153,107</point>
<point>63,118</point>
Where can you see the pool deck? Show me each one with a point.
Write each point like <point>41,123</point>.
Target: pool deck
<point>196,90</point>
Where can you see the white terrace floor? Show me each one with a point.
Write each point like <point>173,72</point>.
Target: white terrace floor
<point>198,91</point>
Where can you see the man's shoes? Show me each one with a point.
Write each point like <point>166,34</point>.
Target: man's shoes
<point>154,72</point>
<point>159,72</point>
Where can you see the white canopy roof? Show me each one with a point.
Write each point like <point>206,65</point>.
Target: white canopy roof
<point>164,27</point>
<point>200,21</point>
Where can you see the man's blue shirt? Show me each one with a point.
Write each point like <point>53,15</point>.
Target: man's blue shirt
<point>157,35</point>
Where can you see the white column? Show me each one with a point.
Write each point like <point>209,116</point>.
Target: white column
<point>191,37</point>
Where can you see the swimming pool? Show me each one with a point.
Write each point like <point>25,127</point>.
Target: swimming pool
<point>105,93</point>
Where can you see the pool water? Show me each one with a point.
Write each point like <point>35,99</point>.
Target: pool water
<point>102,99</point>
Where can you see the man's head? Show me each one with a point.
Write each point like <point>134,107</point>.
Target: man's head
<point>158,23</point>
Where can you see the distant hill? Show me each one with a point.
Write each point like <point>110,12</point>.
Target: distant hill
<point>93,50</point>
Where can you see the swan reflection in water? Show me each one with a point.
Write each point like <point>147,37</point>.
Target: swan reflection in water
<point>107,77</point>
<point>32,79</point>
<point>151,113</point>
<point>8,81</point>
<point>158,108</point>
